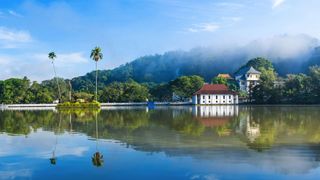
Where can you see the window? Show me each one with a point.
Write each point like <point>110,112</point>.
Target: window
<point>216,97</point>
<point>216,101</point>
<point>203,97</point>
<point>229,97</point>
<point>224,97</point>
<point>209,96</point>
<point>204,102</point>
<point>209,101</point>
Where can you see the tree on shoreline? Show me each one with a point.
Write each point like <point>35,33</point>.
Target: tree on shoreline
<point>96,55</point>
<point>52,56</point>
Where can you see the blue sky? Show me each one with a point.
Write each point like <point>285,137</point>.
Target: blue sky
<point>127,29</point>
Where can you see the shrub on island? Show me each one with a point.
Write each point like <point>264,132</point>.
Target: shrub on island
<point>93,104</point>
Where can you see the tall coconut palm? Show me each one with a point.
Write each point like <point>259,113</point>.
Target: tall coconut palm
<point>96,55</point>
<point>52,56</point>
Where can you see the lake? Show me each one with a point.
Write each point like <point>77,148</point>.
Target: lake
<point>186,142</point>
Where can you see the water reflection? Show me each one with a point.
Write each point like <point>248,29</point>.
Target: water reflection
<point>53,159</point>
<point>281,139</point>
<point>97,158</point>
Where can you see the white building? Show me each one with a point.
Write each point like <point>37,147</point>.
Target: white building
<point>215,94</point>
<point>247,78</point>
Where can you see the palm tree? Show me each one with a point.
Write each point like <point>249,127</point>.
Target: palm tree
<point>52,56</point>
<point>96,55</point>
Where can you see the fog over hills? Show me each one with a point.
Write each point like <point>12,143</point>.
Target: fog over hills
<point>289,54</point>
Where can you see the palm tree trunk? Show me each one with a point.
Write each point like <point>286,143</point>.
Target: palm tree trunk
<point>96,81</point>
<point>55,76</point>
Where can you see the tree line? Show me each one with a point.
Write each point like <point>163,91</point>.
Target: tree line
<point>16,90</point>
<point>273,89</point>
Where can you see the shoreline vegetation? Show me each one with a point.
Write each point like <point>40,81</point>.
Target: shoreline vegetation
<point>79,105</point>
<point>292,89</point>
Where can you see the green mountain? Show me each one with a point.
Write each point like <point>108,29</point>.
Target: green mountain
<point>200,61</point>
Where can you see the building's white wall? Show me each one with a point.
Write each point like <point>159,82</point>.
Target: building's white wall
<point>250,78</point>
<point>218,99</point>
<point>253,77</point>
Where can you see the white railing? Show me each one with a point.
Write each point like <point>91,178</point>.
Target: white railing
<point>28,106</point>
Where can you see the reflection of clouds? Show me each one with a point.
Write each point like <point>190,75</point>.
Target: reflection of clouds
<point>281,159</point>
<point>14,174</point>
<point>205,177</point>
<point>41,145</point>
<point>287,160</point>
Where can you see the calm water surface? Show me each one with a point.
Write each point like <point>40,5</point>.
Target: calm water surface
<point>206,142</point>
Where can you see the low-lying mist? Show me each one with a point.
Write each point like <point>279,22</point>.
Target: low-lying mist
<point>289,54</point>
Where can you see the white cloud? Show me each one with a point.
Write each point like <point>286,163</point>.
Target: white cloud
<point>11,35</point>
<point>64,59</point>
<point>11,38</point>
<point>230,5</point>
<point>13,13</point>
<point>277,3</point>
<point>234,19</point>
<point>204,27</point>
<point>38,66</point>
<point>283,47</point>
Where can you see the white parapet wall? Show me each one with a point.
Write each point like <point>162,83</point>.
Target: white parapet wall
<point>28,106</point>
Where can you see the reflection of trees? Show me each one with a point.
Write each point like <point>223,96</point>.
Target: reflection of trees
<point>273,123</point>
<point>187,124</point>
<point>125,119</point>
<point>281,122</point>
<point>182,121</point>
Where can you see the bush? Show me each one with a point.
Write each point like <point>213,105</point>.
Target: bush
<point>94,104</point>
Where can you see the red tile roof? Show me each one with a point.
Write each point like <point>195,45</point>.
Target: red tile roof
<point>227,76</point>
<point>214,89</point>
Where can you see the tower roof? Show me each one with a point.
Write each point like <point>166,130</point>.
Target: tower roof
<point>253,71</point>
<point>246,70</point>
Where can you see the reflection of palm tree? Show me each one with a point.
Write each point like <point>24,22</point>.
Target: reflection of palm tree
<point>53,159</point>
<point>97,158</point>
<point>70,122</point>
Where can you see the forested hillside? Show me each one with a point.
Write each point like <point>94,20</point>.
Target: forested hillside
<point>202,62</point>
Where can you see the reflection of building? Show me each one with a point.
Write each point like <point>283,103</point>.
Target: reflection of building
<point>249,128</point>
<point>211,94</point>
<point>247,78</point>
<point>211,116</point>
